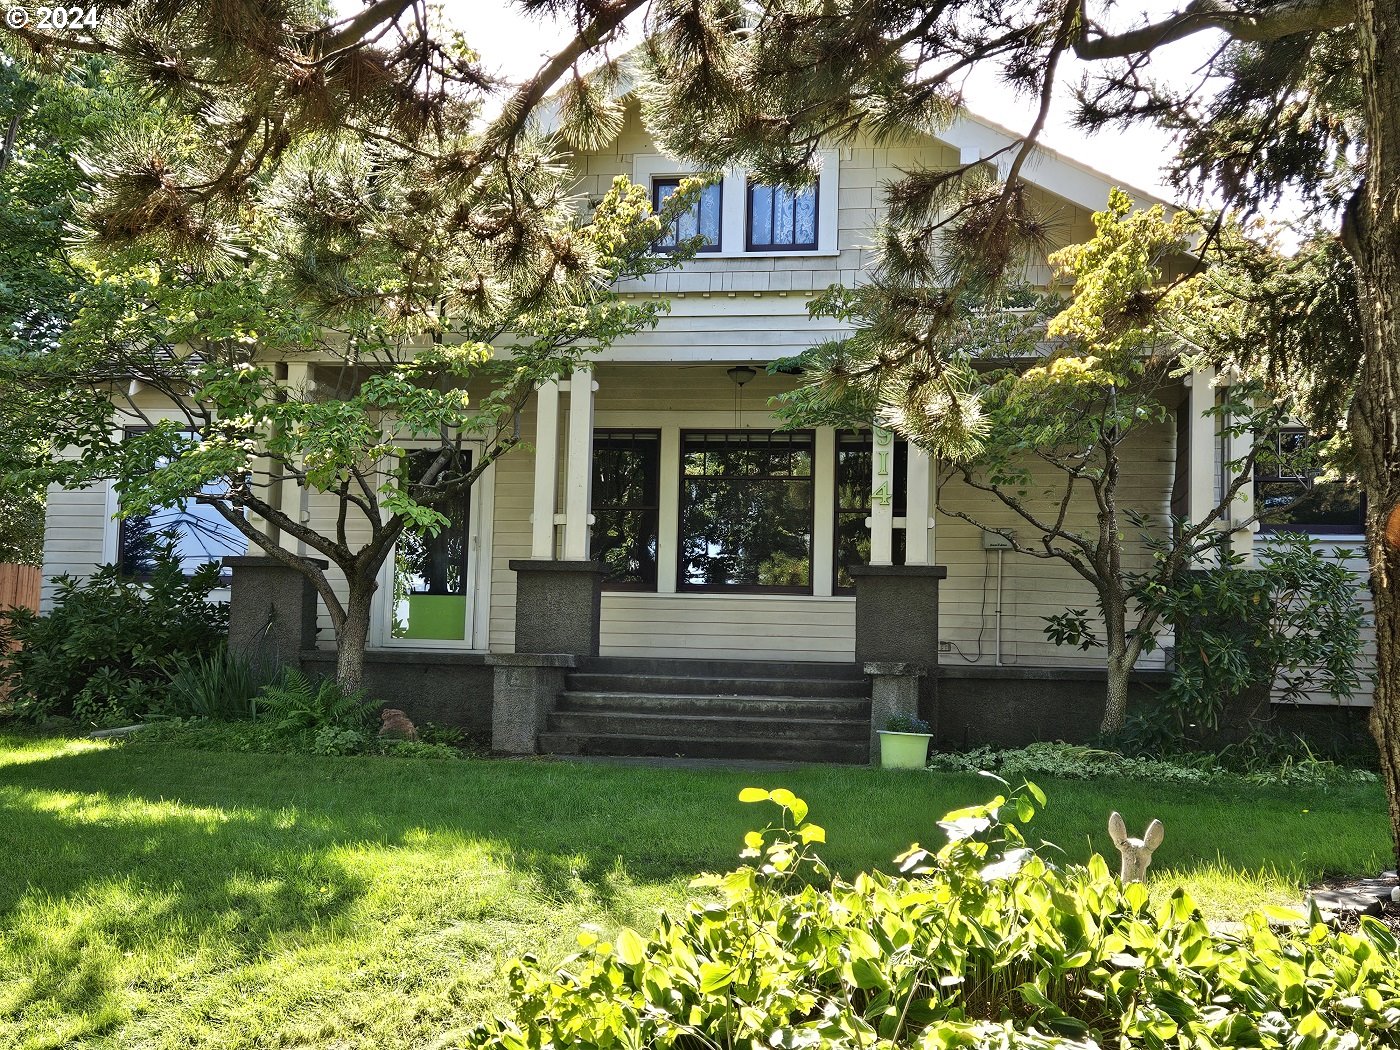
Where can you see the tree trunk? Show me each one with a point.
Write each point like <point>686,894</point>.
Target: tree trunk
<point>1121,657</point>
<point>352,636</point>
<point>1373,236</point>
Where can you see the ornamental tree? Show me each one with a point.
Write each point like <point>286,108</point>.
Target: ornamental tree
<point>330,193</point>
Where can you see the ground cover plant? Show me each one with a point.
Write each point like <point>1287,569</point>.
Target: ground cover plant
<point>985,940</point>
<point>158,897</point>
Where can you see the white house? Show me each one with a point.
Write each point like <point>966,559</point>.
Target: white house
<point>727,620</point>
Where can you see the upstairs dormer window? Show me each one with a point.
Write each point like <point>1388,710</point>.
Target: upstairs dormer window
<point>782,219</point>
<point>702,219</point>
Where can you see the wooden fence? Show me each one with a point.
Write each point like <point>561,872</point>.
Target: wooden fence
<point>19,586</point>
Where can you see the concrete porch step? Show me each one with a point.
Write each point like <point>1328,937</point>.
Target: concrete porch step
<point>693,725</point>
<point>807,670</point>
<point>704,747</point>
<point>590,681</point>
<point>788,708</point>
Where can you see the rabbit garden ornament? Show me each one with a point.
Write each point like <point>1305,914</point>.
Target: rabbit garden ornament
<point>1137,853</point>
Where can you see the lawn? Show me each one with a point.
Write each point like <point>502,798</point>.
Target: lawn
<point>178,898</point>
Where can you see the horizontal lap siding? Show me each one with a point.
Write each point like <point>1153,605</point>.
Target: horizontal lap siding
<point>747,628</point>
<point>1356,562</point>
<point>1034,588</point>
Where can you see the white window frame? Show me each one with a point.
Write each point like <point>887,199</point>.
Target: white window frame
<point>481,511</point>
<point>734,205</point>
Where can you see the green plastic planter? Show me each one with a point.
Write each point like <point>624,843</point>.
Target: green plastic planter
<point>903,750</point>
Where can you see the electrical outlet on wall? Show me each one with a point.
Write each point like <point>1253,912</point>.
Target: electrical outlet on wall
<point>945,647</point>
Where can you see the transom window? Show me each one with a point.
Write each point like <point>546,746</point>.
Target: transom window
<point>197,532</point>
<point>701,219</point>
<point>782,219</point>
<point>746,511</point>
<point>853,503</point>
<point>626,506</point>
<point>1289,496</point>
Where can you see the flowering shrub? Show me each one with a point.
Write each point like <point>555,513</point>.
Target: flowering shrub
<point>982,943</point>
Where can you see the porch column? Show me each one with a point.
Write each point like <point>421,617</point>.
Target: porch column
<point>546,469</point>
<point>1238,448</point>
<point>918,522</point>
<point>291,498</point>
<point>881,497</point>
<point>557,602</point>
<point>897,623</point>
<point>1202,469</point>
<point>271,611</point>
<point>578,482</point>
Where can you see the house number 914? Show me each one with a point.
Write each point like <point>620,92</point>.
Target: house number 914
<point>884,445</point>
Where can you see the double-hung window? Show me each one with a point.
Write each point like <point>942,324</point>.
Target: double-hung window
<point>626,506</point>
<point>782,219</point>
<point>196,532</point>
<point>702,219</point>
<point>746,511</point>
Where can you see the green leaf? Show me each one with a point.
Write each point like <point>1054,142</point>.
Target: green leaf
<point>631,949</point>
<point>754,795</point>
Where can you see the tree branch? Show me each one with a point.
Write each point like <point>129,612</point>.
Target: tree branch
<point>1279,19</point>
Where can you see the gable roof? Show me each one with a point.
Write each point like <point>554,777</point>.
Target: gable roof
<point>975,138</point>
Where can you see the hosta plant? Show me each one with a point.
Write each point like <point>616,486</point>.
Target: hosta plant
<point>984,942</point>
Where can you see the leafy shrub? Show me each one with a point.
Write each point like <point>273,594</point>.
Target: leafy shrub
<point>982,943</point>
<point>105,653</point>
<point>1294,620</point>
<point>1078,762</point>
<point>297,701</point>
<point>222,685</point>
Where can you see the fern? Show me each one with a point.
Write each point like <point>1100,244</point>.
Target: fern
<point>298,701</point>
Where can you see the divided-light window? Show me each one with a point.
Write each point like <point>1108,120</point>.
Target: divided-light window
<point>432,585</point>
<point>626,506</point>
<point>782,219</point>
<point>853,503</point>
<point>746,511</point>
<point>701,219</point>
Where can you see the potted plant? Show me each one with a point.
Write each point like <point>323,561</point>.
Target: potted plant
<point>904,743</point>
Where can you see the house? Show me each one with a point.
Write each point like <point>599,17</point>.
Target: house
<point>667,572</point>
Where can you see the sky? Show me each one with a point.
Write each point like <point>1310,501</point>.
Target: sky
<point>515,46</point>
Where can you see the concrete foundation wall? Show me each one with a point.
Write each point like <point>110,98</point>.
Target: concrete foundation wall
<point>1015,706</point>
<point>446,688</point>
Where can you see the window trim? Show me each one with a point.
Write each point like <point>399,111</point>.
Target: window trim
<point>682,587</point>
<point>481,513</point>
<point>646,166</point>
<point>658,181</point>
<point>803,246</point>
<point>623,586</point>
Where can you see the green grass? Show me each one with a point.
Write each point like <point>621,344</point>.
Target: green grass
<point>155,898</point>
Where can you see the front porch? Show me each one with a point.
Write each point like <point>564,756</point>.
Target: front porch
<point>660,521</point>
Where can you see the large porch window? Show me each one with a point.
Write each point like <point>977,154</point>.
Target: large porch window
<point>432,581</point>
<point>626,506</point>
<point>746,507</point>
